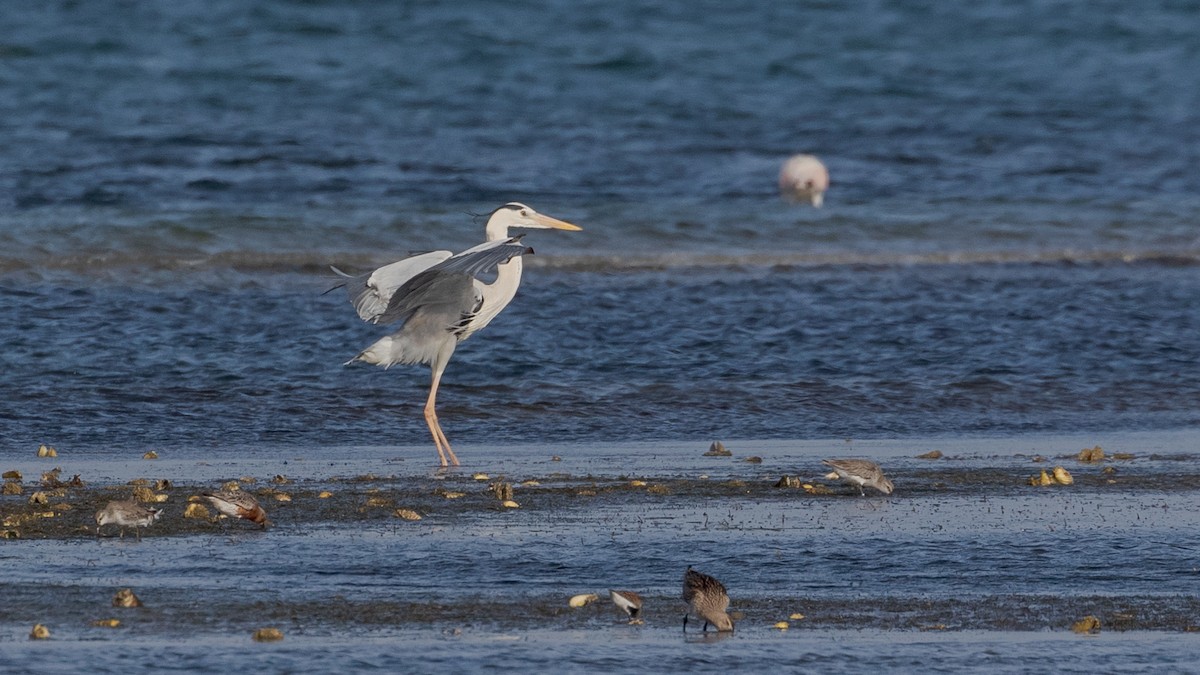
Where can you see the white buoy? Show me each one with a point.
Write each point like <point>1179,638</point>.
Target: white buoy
<point>804,178</point>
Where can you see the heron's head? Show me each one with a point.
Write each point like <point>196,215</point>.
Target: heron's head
<point>804,178</point>
<point>515,214</point>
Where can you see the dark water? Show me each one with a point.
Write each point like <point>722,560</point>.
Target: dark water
<point>1009,244</point>
<point>1009,247</point>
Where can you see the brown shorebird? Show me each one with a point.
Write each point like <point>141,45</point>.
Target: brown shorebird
<point>860,472</point>
<point>238,504</point>
<point>124,514</point>
<point>707,599</point>
<point>630,602</point>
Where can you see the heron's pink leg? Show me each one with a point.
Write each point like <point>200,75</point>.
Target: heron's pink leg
<point>439,437</point>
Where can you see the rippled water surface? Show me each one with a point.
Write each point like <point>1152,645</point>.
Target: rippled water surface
<point>1008,253</point>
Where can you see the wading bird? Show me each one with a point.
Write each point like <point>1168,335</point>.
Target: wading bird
<point>439,301</point>
<point>707,599</point>
<point>860,472</point>
<point>125,514</point>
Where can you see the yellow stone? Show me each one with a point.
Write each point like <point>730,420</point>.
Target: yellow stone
<point>46,451</point>
<point>39,632</point>
<point>106,623</point>
<point>195,510</point>
<point>781,625</point>
<point>378,501</point>
<point>638,483</point>
<point>268,635</point>
<point>143,494</point>
<point>39,497</point>
<point>282,497</point>
<point>1062,476</point>
<point>796,617</point>
<point>407,514</point>
<point>150,455</point>
<point>12,475</point>
<point>582,599</point>
<point>480,476</point>
<point>325,494</point>
<point>454,495</point>
<point>11,488</point>
<point>510,504</point>
<point>1088,624</point>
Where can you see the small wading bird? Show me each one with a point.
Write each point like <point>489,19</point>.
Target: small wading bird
<point>707,599</point>
<point>804,178</point>
<point>126,514</point>
<point>630,602</point>
<point>439,302</point>
<point>238,504</point>
<point>860,472</point>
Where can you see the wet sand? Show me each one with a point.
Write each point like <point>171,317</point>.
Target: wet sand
<point>965,544</point>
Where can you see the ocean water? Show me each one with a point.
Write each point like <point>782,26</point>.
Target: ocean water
<point>1009,246</point>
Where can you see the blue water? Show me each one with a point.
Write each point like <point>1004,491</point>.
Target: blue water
<point>1009,245</point>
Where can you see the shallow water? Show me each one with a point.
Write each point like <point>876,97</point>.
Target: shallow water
<point>963,545</point>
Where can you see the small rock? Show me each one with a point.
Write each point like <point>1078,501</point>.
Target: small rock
<point>481,476</point>
<point>1062,476</point>
<point>796,616</point>
<point>781,625</point>
<point>325,494</point>
<point>39,497</point>
<point>282,497</point>
<point>1123,456</point>
<point>281,480</point>
<point>46,451</point>
<point>162,484</point>
<point>150,455</point>
<point>582,600</point>
<point>755,459</point>
<point>39,632</point>
<point>556,458</point>
<point>789,482</point>
<point>407,514</point>
<point>502,490</point>
<point>195,510</point>
<point>658,490</point>
<point>11,488</point>
<point>12,475</point>
<point>10,534</point>
<point>268,635</point>
<point>144,494</point>
<point>126,598</point>
<point>637,483</point>
<point>1088,624</point>
<point>106,623</point>
<point>510,504</point>
<point>379,501</point>
<point>717,449</point>
<point>1095,454</point>
<point>932,454</point>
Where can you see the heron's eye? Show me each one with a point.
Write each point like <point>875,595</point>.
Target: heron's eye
<point>524,213</point>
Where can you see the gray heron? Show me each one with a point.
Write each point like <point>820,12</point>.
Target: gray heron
<point>803,178</point>
<point>439,301</point>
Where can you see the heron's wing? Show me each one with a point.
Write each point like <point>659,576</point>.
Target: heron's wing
<point>451,281</point>
<point>482,258</point>
<point>370,293</point>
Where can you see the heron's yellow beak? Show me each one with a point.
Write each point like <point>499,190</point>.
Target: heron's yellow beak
<point>555,223</point>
